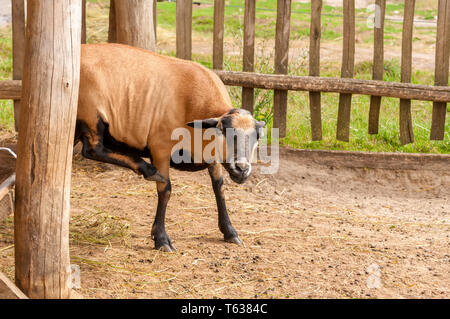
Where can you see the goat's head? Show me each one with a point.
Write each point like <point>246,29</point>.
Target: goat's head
<point>239,133</point>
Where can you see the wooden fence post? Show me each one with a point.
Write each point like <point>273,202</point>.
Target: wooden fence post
<point>155,21</point>
<point>281,63</point>
<point>406,130</point>
<point>134,23</point>
<point>112,28</point>
<point>441,69</point>
<point>348,64</point>
<point>44,161</point>
<point>83,21</point>
<point>314,69</point>
<point>378,64</point>
<point>18,29</point>
<point>248,94</point>
<point>218,34</point>
<point>184,29</point>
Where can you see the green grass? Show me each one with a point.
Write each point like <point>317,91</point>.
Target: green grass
<point>298,122</point>
<point>6,106</point>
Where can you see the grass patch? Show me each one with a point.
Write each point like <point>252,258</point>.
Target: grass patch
<point>98,228</point>
<point>6,106</point>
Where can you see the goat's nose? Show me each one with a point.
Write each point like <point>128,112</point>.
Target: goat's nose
<point>243,165</point>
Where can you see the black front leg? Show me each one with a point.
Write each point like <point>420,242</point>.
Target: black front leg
<point>228,231</point>
<point>159,235</point>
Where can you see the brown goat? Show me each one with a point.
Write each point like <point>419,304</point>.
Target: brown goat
<point>131,101</point>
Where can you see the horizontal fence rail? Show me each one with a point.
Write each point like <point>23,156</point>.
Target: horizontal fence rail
<point>12,89</point>
<point>337,85</point>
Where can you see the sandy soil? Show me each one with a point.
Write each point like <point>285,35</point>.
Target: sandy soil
<point>310,231</point>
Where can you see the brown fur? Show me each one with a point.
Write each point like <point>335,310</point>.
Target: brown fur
<point>144,96</point>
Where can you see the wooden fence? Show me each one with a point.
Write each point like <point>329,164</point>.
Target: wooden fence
<point>346,86</point>
<point>281,83</point>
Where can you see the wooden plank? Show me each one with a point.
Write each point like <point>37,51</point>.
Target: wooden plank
<point>218,34</point>
<point>44,152</point>
<point>314,69</point>
<point>18,39</point>
<point>112,29</point>
<point>3,192</point>
<point>406,131</point>
<point>348,63</point>
<point>338,85</point>
<point>11,89</point>
<point>134,23</point>
<point>378,63</point>
<point>248,94</point>
<point>373,160</point>
<point>8,290</point>
<point>184,29</point>
<point>83,21</point>
<point>6,204</point>
<point>7,184</point>
<point>281,63</point>
<point>442,68</point>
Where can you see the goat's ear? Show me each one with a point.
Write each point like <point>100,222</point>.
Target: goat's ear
<point>207,123</point>
<point>260,124</point>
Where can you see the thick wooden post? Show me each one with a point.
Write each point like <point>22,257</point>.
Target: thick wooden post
<point>280,98</point>
<point>184,29</point>
<point>44,161</point>
<point>18,28</point>
<point>135,24</point>
<point>441,69</point>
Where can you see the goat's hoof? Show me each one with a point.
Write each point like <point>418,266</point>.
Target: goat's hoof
<point>234,240</point>
<point>157,177</point>
<point>167,248</point>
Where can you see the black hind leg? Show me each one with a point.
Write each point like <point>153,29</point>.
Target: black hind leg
<point>93,148</point>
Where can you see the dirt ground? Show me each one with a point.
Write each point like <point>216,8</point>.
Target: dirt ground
<point>310,231</point>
